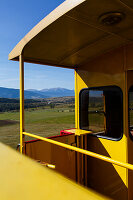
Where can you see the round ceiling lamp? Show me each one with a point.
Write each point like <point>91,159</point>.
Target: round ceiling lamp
<point>111,18</point>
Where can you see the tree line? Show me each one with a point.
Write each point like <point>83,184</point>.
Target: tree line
<point>13,104</point>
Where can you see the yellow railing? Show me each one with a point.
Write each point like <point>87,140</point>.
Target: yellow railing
<point>83,151</point>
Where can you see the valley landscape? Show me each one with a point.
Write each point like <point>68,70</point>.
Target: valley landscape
<point>43,116</point>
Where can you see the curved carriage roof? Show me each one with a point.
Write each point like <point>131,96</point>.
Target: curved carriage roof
<point>72,34</point>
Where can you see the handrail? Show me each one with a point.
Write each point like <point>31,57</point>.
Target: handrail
<point>83,151</point>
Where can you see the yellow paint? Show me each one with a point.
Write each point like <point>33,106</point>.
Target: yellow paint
<point>129,83</point>
<point>78,132</point>
<point>89,153</point>
<point>21,66</point>
<point>97,75</point>
<point>112,147</point>
<point>50,166</point>
<point>76,102</point>
<point>116,149</point>
<point>24,179</point>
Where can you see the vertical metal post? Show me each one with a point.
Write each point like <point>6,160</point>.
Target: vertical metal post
<point>21,66</point>
<point>78,164</point>
<point>76,102</point>
<point>82,161</point>
<point>77,126</point>
<point>85,163</point>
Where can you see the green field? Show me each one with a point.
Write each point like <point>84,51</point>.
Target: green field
<point>43,122</point>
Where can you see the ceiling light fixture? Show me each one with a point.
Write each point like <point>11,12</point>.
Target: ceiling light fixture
<point>111,18</point>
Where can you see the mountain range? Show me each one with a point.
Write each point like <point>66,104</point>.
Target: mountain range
<point>35,94</point>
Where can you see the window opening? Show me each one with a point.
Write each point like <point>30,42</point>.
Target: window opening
<point>101,111</point>
<point>49,100</point>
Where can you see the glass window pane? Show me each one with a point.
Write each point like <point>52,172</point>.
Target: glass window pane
<point>101,111</point>
<point>96,111</point>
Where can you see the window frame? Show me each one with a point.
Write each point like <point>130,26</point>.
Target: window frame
<point>101,88</point>
<point>131,137</point>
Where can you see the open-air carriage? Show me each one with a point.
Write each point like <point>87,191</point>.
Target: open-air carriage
<point>95,39</point>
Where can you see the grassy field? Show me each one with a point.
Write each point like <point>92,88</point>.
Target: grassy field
<point>43,122</point>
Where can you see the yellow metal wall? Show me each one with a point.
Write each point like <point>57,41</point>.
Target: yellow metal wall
<point>129,80</point>
<point>105,71</point>
<point>22,178</point>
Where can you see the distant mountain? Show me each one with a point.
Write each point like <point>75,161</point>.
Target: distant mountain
<point>57,92</point>
<point>54,92</point>
<point>32,90</point>
<point>14,93</point>
<point>34,94</point>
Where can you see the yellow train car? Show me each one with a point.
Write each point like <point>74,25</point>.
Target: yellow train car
<point>95,39</point>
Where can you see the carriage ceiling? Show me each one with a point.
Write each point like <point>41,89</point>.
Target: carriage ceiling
<point>76,32</point>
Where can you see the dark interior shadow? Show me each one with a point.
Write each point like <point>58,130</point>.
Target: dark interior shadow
<point>63,159</point>
<point>102,176</point>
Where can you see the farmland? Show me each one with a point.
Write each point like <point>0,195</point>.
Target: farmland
<point>44,120</point>
<point>44,117</point>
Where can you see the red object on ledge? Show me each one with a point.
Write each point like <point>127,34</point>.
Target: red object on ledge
<point>66,132</point>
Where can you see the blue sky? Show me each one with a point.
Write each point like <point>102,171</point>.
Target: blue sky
<point>17,18</point>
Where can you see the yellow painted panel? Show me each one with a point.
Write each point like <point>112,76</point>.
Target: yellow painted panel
<point>130,142</point>
<point>114,149</point>
<point>21,178</point>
